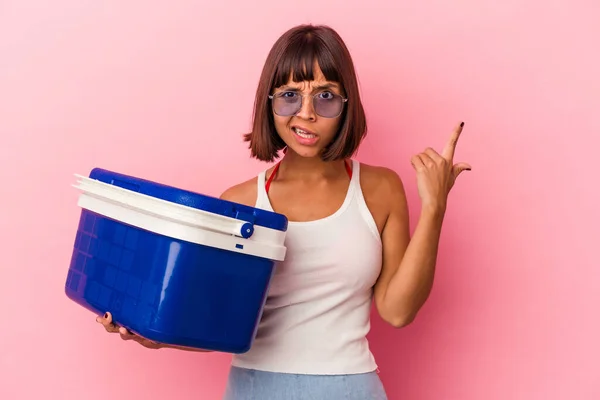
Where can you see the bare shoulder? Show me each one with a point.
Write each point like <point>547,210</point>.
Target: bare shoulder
<point>381,181</point>
<point>243,193</point>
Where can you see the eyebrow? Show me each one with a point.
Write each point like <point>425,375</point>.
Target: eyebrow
<point>318,87</point>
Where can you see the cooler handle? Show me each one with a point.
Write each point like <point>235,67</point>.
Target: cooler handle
<point>173,211</point>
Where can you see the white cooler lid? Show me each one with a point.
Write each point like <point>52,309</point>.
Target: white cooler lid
<point>180,221</point>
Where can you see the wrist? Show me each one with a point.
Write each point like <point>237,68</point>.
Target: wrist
<point>433,210</point>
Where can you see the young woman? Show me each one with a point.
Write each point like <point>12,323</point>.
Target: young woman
<point>348,240</point>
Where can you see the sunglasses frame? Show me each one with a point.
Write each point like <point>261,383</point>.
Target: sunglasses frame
<point>303,95</point>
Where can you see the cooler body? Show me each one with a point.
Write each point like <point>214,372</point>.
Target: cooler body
<point>166,288</point>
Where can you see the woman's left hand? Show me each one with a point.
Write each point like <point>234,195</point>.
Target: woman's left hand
<point>437,173</point>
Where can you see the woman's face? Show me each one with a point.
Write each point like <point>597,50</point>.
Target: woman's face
<point>307,133</point>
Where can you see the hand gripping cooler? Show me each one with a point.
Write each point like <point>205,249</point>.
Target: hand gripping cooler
<point>172,265</point>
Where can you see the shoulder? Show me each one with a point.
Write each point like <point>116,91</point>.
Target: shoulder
<point>243,193</point>
<point>382,182</point>
<point>384,195</point>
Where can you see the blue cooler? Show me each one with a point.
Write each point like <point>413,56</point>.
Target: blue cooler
<point>171,265</point>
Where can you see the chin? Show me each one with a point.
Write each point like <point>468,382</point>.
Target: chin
<point>306,152</point>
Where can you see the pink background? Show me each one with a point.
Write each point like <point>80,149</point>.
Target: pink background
<point>513,314</point>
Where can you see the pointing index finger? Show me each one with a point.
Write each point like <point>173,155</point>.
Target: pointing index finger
<point>448,152</point>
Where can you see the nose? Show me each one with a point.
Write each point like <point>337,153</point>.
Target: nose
<point>307,110</point>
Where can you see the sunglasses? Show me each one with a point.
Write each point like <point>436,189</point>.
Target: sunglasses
<point>326,104</point>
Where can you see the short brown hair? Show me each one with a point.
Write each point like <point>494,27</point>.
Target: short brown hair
<point>293,55</point>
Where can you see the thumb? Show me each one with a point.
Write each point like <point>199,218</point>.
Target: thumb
<point>460,167</point>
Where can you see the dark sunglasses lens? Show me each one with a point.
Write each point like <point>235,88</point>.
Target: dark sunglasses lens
<point>328,107</point>
<point>287,104</point>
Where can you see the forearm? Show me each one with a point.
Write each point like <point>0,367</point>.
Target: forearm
<point>410,285</point>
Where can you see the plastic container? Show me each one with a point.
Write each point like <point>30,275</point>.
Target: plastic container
<point>171,265</point>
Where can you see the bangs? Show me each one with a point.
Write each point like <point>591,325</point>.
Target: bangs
<point>299,59</point>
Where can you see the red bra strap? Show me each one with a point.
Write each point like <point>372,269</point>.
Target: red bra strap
<point>348,169</point>
<point>268,183</point>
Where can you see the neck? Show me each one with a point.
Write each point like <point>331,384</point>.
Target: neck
<point>295,166</point>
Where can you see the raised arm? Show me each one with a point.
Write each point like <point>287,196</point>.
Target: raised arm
<point>409,263</point>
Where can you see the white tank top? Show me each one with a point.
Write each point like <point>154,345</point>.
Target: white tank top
<point>316,316</point>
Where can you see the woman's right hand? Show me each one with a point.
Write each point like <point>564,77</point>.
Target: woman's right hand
<point>125,334</point>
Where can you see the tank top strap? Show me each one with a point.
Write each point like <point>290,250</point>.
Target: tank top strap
<point>359,199</point>
<point>353,170</point>
<point>262,199</point>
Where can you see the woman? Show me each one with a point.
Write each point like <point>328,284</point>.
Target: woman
<point>348,240</point>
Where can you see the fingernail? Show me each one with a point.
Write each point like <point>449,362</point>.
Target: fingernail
<point>468,169</point>
<point>105,315</point>
<point>462,124</point>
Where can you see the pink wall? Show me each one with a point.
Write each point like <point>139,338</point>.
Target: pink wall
<point>114,84</point>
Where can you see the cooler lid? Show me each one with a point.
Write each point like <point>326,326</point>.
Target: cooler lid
<point>256,216</point>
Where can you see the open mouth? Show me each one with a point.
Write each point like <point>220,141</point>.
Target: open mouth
<point>304,134</point>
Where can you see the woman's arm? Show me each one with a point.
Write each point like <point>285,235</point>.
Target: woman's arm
<point>409,263</point>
